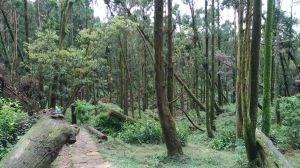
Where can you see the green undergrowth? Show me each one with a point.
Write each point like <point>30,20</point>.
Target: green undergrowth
<point>197,154</point>
<point>13,124</point>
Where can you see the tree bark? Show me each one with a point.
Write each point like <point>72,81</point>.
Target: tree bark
<point>266,113</point>
<point>166,120</point>
<point>26,20</point>
<point>250,118</point>
<point>170,74</point>
<point>41,144</point>
<point>208,119</point>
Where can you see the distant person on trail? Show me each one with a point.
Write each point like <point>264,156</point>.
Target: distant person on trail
<point>58,108</point>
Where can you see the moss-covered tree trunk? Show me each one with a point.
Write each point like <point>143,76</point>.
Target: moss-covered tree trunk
<point>208,125</point>
<point>170,73</point>
<point>166,120</point>
<point>266,114</point>
<point>250,117</point>
<point>39,147</point>
<point>212,87</point>
<point>238,99</point>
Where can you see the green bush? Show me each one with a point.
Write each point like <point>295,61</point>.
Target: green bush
<point>229,108</point>
<point>225,135</point>
<point>289,133</point>
<point>150,133</point>
<point>138,133</point>
<point>183,131</point>
<point>13,124</point>
<point>107,124</point>
<point>105,107</point>
<point>84,110</point>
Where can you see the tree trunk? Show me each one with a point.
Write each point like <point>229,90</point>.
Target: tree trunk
<point>41,144</point>
<point>208,119</point>
<point>26,20</point>
<point>166,120</point>
<point>250,118</point>
<point>38,15</point>
<point>239,112</point>
<point>170,72</point>
<point>266,113</point>
<point>212,89</point>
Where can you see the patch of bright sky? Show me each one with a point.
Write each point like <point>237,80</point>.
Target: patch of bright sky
<point>100,9</point>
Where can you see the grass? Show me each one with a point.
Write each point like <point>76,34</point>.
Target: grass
<point>197,154</point>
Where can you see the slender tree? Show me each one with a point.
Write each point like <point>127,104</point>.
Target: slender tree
<point>250,117</point>
<point>170,73</point>
<point>208,125</point>
<point>266,114</point>
<point>166,120</point>
<point>212,91</point>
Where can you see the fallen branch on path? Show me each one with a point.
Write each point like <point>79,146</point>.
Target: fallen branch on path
<point>94,131</point>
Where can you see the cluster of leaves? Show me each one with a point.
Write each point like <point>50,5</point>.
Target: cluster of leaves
<point>13,124</point>
<point>288,135</point>
<point>150,133</point>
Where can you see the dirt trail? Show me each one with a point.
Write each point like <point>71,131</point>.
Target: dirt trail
<point>82,154</point>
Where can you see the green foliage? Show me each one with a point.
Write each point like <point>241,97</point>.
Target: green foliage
<point>107,124</point>
<point>138,133</point>
<point>84,110</point>
<point>13,124</point>
<point>289,132</point>
<point>183,131</point>
<point>225,137</point>
<point>230,108</point>
<point>150,133</point>
<point>105,107</point>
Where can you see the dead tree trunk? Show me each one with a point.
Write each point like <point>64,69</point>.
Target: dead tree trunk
<point>41,144</point>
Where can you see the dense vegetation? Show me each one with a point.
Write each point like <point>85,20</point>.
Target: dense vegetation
<point>154,73</point>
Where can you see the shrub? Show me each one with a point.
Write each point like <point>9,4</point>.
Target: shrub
<point>105,107</point>
<point>151,133</point>
<point>13,124</point>
<point>84,110</point>
<point>289,133</point>
<point>225,137</point>
<point>107,124</point>
<point>229,108</point>
<point>183,131</point>
<point>138,133</point>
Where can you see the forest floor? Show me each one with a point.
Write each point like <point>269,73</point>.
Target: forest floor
<point>83,154</point>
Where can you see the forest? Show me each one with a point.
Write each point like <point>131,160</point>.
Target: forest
<point>149,83</point>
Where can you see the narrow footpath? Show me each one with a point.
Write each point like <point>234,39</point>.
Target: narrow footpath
<point>82,154</point>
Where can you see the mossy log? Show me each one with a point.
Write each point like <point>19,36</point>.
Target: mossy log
<point>269,154</point>
<point>39,147</point>
<point>94,131</point>
<point>122,117</point>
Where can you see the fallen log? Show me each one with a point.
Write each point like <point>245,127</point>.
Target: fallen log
<point>122,117</point>
<point>270,155</point>
<point>39,147</point>
<point>94,131</point>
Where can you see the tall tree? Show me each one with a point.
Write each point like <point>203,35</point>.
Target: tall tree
<point>239,113</point>
<point>166,120</point>
<point>26,20</point>
<point>208,125</point>
<point>170,73</point>
<point>212,91</point>
<point>266,114</point>
<point>250,117</point>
